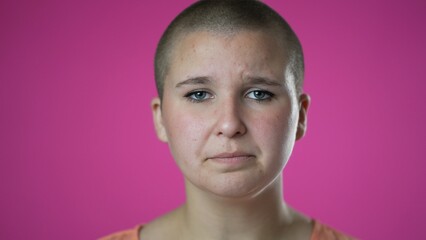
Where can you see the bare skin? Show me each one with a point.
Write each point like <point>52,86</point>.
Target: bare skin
<point>257,219</point>
<point>231,115</point>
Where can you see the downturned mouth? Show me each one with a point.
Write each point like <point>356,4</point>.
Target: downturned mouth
<point>231,155</point>
<point>236,158</point>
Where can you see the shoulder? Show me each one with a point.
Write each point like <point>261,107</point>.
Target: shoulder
<point>323,232</point>
<point>130,234</point>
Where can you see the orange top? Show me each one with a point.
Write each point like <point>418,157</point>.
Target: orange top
<point>319,232</point>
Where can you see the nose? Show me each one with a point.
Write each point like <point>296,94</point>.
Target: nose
<point>230,122</point>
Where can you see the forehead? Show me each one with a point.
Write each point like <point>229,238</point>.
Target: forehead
<point>244,36</point>
<point>209,52</point>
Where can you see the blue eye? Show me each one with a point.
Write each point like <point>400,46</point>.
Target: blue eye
<point>198,96</point>
<point>260,95</point>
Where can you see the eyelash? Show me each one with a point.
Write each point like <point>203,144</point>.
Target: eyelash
<point>268,94</point>
<point>191,96</point>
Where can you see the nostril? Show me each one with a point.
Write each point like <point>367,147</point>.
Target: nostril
<point>231,128</point>
<point>229,119</point>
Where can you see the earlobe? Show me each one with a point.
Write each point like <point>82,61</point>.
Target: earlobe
<point>158,119</point>
<point>304,102</point>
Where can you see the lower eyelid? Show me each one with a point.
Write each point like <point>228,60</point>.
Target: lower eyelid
<point>190,96</point>
<point>269,94</point>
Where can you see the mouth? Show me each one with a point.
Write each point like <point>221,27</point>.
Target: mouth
<point>232,160</point>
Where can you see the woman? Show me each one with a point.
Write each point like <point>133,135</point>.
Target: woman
<point>231,105</point>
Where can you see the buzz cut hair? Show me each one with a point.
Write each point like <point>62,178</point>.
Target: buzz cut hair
<point>229,16</point>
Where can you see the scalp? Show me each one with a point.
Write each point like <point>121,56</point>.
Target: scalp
<point>229,17</point>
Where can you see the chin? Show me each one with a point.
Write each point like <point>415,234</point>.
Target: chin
<point>237,185</point>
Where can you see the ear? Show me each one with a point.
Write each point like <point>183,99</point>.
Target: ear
<point>304,102</point>
<point>158,119</point>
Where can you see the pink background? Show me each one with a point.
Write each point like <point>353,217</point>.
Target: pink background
<point>79,157</point>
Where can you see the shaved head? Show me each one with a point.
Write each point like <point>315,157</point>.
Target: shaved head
<point>229,17</point>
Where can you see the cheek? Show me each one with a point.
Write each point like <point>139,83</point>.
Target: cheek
<point>185,135</point>
<point>271,124</point>
<point>275,132</point>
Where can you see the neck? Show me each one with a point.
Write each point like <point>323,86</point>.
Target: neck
<point>252,217</point>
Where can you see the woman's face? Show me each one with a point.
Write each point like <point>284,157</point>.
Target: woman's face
<point>228,113</point>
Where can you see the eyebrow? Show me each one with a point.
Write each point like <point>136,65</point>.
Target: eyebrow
<point>262,81</point>
<point>194,81</point>
<point>202,80</point>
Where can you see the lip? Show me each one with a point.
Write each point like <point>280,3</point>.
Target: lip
<point>234,159</point>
